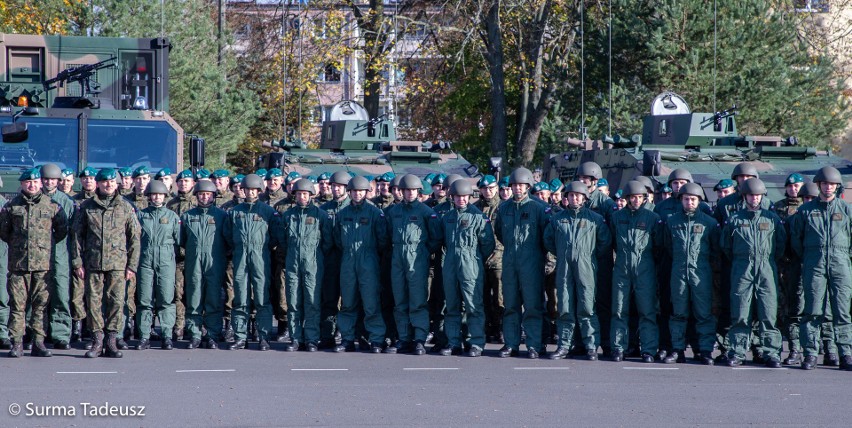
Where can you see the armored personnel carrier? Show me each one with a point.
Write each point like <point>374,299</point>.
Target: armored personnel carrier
<point>352,141</point>
<point>85,101</point>
<point>706,144</point>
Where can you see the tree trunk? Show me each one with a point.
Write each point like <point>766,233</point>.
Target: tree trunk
<point>494,57</point>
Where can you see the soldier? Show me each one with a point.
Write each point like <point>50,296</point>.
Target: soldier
<point>396,191</point>
<point>222,182</point>
<point>305,232</point>
<point>239,197</point>
<point>247,233</point>
<point>125,184</point>
<point>439,192</point>
<point>635,231</point>
<point>78,285</point>
<point>541,190</point>
<point>202,237</point>
<point>105,253</point>
<point>160,242</point>
<point>324,188</point>
<point>790,270</point>
<point>384,199</point>
<point>753,238</point>
<point>360,233</point>
<point>577,236</point>
<point>649,191</point>
<point>274,191</point>
<point>181,203</point>
<point>603,186</point>
<point>290,180</point>
<point>469,239</point>
<point>556,187</point>
<point>519,225</point>
<point>414,230</point>
<point>66,183</point>
<point>141,177</point>
<point>724,188</point>
<point>620,200</point>
<point>504,190</point>
<point>60,292</point>
<point>436,303</point>
<point>492,284</point>
<point>165,175</point>
<point>821,234</point>
<point>330,293</point>
<point>665,192</point>
<point>202,174</point>
<point>690,238</point>
<point>30,223</point>
<point>273,196</point>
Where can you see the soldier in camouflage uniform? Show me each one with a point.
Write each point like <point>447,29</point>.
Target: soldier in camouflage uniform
<point>125,184</point>
<point>330,293</point>
<point>384,197</point>
<point>105,252</point>
<point>78,285</point>
<point>222,182</point>
<point>181,203</point>
<point>30,223</point>
<point>159,244</point>
<point>66,183</point>
<point>165,175</point>
<point>493,286</point>
<point>141,177</point>
<point>324,188</point>
<point>60,293</point>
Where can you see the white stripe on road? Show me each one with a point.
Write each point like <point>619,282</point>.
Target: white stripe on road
<point>542,368</point>
<point>758,368</point>
<point>650,368</point>
<point>430,368</point>
<point>203,371</point>
<point>319,370</point>
<point>86,372</point>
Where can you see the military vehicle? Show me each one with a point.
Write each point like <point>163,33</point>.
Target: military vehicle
<point>85,101</point>
<point>706,144</point>
<point>353,141</point>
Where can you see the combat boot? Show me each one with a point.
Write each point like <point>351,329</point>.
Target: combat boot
<point>292,346</point>
<point>846,363</point>
<point>39,350</point>
<point>647,357</point>
<point>560,353</point>
<point>707,358</point>
<point>252,330</point>
<point>61,344</point>
<point>17,349</point>
<point>508,351</point>
<point>773,362</point>
<point>240,344</point>
<point>5,343</point>
<point>809,363</point>
<point>263,345</point>
<point>121,344</point>
<point>617,356</point>
<point>345,346</point>
<point>419,348</point>
<point>143,345</point>
<point>228,332</point>
<point>674,356</point>
<point>794,359</point>
<point>167,344</point>
<point>97,346</point>
<point>194,343</point>
<point>830,360</point>
<point>112,347</point>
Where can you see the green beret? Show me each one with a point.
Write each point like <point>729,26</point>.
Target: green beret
<point>602,182</point>
<point>540,186</point>
<point>187,173</point>
<point>439,179</point>
<point>427,188</point>
<point>555,184</point>
<point>261,172</point>
<point>504,182</point>
<point>292,177</point>
<point>88,172</point>
<point>30,174</point>
<point>67,172</point>
<point>272,173</point>
<point>794,178</point>
<point>142,170</point>
<point>312,178</point>
<point>369,177</point>
<point>220,173</point>
<point>326,176</point>
<point>385,178</point>
<point>125,171</point>
<point>162,173</point>
<point>724,184</point>
<point>486,181</point>
<point>202,173</point>
<point>106,174</point>
<point>237,179</point>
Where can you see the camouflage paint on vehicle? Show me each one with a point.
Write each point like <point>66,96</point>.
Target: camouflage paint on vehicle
<point>705,144</point>
<point>124,122</point>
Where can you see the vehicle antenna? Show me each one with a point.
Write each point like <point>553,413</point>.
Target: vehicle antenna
<point>714,55</point>
<point>609,30</point>
<point>582,77</point>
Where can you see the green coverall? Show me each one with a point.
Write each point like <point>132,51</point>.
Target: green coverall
<point>577,237</point>
<point>821,235</point>
<point>360,233</point>
<point>60,281</point>
<point>330,294</point>
<point>753,240</point>
<point>690,240</point>
<point>636,237</point>
<point>415,231</point>
<point>306,236</point>
<point>469,240</point>
<point>203,238</point>
<point>159,242</point>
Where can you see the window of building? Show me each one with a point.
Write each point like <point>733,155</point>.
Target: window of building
<point>811,6</point>
<point>329,73</point>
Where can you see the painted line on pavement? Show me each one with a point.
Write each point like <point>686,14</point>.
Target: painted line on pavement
<point>651,368</point>
<point>319,370</point>
<point>542,368</point>
<point>429,368</point>
<point>86,372</point>
<point>758,368</point>
<point>204,371</point>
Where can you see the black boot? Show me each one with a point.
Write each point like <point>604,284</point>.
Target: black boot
<point>794,359</point>
<point>39,350</point>
<point>119,341</point>
<point>112,347</point>
<point>5,343</point>
<point>228,331</point>
<point>17,349</point>
<point>76,330</point>
<point>97,345</point>
<point>252,330</point>
<point>283,334</point>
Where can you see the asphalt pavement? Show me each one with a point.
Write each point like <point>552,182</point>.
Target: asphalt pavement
<point>213,388</point>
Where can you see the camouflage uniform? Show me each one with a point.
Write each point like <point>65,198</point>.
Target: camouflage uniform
<point>30,225</point>
<point>78,285</point>
<point>223,197</point>
<point>140,201</point>
<point>105,241</point>
<point>180,204</point>
<point>60,297</point>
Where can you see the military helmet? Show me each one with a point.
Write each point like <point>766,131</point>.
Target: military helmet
<point>577,187</point>
<point>590,169</point>
<point>30,174</point>
<point>486,181</point>
<point>522,176</point>
<point>634,187</point>
<point>744,168</point>
<point>340,177</point>
<point>649,185</point>
<point>794,178</point>
<point>158,187</point>
<point>304,185</point>
<point>203,186</point>
<point>106,174</point>
<point>692,189</point>
<point>358,183</point>
<point>461,188</point>
<point>252,181</point>
<point>753,186</point>
<point>809,189</point>
<point>50,170</point>
<point>397,178</point>
<point>680,174</point>
<point>828,174</point>
<point>410,181</point>
<point>451,179</point>
<point>724,184</point>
